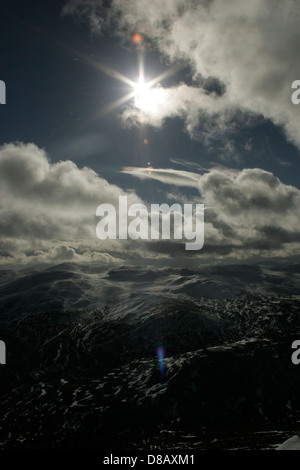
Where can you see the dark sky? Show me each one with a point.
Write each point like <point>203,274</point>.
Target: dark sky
<point>58,96</point>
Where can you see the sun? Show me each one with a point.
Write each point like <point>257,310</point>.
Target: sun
<point>147,98</point>
<point>142,94</point>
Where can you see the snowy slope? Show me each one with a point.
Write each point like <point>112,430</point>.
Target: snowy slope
<point>82,367</point>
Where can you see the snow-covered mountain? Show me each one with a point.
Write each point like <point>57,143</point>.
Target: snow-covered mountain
<point>82,367</point>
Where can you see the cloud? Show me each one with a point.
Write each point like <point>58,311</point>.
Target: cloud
<point>90,10</point>
<point>250,49</point>
<point>249,212</point>
<point>165,175</point>
<point>48,211</point>
<point>249,208</point>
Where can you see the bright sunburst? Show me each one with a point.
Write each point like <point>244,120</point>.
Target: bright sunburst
<point>146,98</point>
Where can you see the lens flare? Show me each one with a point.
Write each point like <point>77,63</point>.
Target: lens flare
<point>137,39</point>
<point>160,352</point>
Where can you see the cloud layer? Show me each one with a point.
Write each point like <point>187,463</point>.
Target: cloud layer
<point>248,213</point>
<point>48,213</point>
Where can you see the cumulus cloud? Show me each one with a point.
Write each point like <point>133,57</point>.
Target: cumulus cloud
<point>248,208</point>
<point>249,212</point>
<point>47,211</point>
<point>249,48</point>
